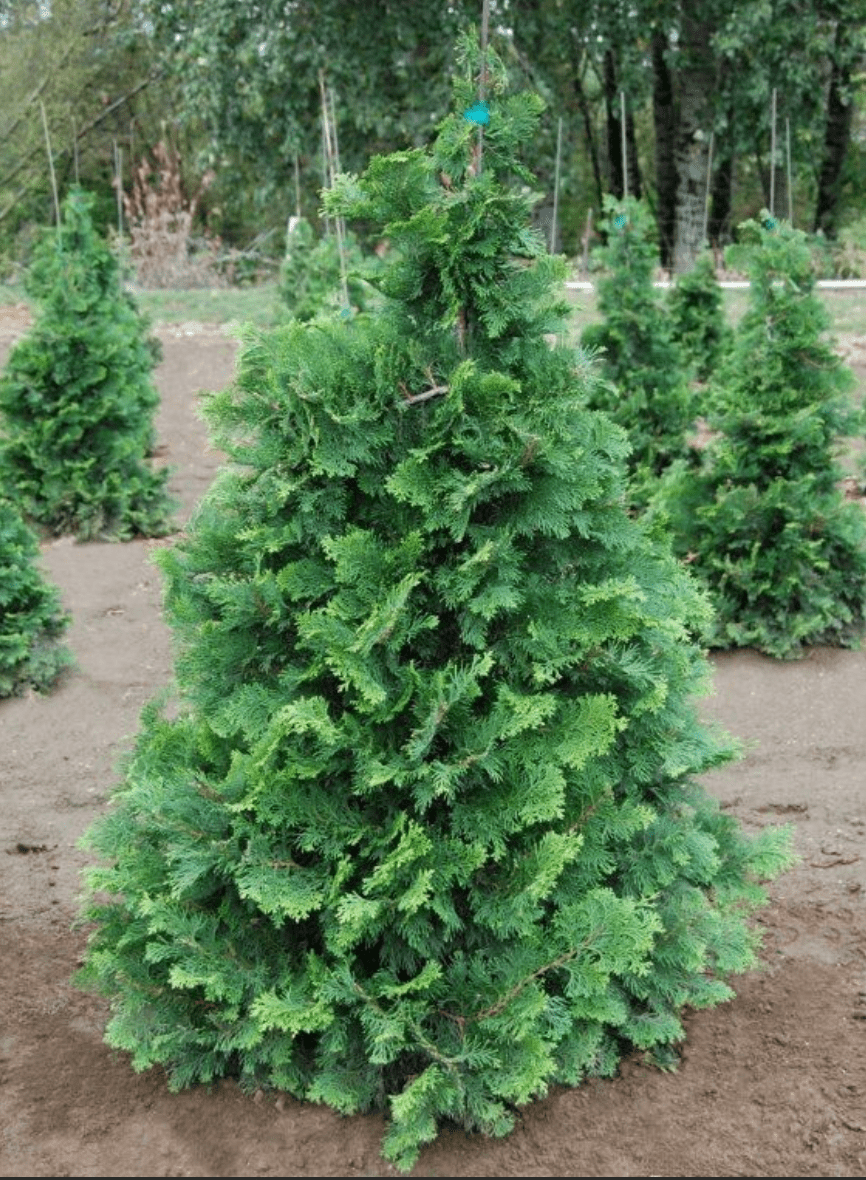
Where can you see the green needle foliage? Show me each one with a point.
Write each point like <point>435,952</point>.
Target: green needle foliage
<point>310,275</point>
<point>647,388</point>
<point>76,397</point>
<point>31,620</point>
<point>764,520</point>
<point>423,831</point>
<point>698,318</point>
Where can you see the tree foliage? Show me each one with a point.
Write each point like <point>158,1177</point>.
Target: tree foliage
<point>88,64</point>
<point>424,831</point>
<point>312,274</point>
<point>697,315</point>
<point>646,388</point>
<point>77,398</point>
<point>240,84</point>
<point>764,521</point>
<point>32,622</point>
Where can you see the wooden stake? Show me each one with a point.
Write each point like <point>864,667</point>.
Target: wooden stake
<point>341,221</point>
<point>587,233</point>
<point>773,155</point>
<point>790,185</point>
<point>556,186</point>
<point>51,169</point>
<point>707,196</point>
<point>325,181</point>
<point>624,145</point>
<point>297,187</point>
<point>118,175</point>
<point>331,156</point>
<point>75,148</point>
<point>482,82</point>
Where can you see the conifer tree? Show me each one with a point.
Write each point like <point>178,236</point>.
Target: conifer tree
<point>77,398</point>
<point>423,832</point>
<point>32,622</point>
<point>310,275</point>
<point>698,318</point>
<point>764,520</point>
<point>647,388</point>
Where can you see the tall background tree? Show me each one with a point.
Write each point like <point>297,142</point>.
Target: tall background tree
<point>239,91</point>
<point>88,66</point>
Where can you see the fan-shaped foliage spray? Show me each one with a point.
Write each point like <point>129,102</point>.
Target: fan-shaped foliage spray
<point>424,832</point>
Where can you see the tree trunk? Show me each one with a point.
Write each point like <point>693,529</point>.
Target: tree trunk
<point>697,85</point>
<point>837,133</point>
<point>664,120</point>
<point>721,196</point>
<point>589,135</point>
<point>635,182</point>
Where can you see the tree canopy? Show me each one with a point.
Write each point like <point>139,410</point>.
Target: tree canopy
<point>241,85</point>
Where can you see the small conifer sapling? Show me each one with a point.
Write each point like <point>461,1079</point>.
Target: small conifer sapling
<point>697,316</point>
<point>77,398</point>
<point>647,375</point>
<point>423,833</point>
<point>32,623</point>
<point>764,520</point>
<point>310,275</point>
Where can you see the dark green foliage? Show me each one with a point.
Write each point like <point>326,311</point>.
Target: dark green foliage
<point>310,278</point>
<point>647,377</point>
<point>424,832</point>
<point>764,520</point>
<point>698,318</point>
<point>76,398</point>
<point>31,620</point>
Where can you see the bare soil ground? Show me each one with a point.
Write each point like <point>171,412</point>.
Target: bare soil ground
<point>772,1083</point>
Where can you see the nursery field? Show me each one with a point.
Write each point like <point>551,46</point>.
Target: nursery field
<point>772,1083</point>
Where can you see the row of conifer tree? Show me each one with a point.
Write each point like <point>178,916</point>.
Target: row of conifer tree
<point>423,830</point>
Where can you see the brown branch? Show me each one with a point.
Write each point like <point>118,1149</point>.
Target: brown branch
<point>88,127</point>
<point>435,391</point>
<point>13,126</point>
<point>503,1003</point>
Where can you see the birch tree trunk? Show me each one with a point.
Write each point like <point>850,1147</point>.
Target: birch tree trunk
<point>697,76</point>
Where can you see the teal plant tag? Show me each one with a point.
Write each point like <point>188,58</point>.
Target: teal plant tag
<point>478,113</point>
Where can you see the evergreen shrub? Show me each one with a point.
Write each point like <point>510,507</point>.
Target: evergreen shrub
<point>764,521</point>
<point>310,275</point>
<point>32,622</point>
<point>697,316</point>
<point>77,398</point>
<point>647,387</point>
<point>422,831</point>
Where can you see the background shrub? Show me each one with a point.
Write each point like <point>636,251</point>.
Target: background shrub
<point>764,521</point>
<point>76,397</point>
<point>32,622</point>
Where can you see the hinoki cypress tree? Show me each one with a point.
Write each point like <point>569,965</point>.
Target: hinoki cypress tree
<point>423,832</point>
<point>647,388</point>
<point>32,622</point>
<point>697,317</point>
<point>764,520</point>
<point>76,397</point>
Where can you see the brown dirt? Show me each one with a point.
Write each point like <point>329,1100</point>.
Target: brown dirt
<point>772,1083</point>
